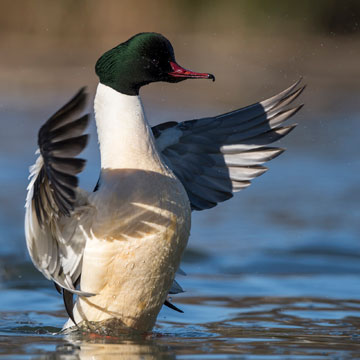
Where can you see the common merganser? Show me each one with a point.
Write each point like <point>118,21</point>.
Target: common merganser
<point>119,247</point>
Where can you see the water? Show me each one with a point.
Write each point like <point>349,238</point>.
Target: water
<point>272,274</point>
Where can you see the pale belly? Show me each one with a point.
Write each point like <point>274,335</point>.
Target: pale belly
<point>135,247</point>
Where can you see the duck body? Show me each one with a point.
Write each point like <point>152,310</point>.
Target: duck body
<point>141,225</point>
<point>118,248</point>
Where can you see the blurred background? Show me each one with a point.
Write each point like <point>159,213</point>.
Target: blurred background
<point>286,248</point>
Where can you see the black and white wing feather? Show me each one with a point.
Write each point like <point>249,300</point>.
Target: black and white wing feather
<point>54,203</point>
<point>215,157</point>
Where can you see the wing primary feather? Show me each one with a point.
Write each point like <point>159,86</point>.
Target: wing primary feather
<point>282,115</point>
<point>68,298</point>
<point>98,183</point>
<point>176,288</point>
<point>269,136</point>
<point>69,130</point>
<point>57,287</point>
<point>74,291</point>
<point>268,103</point>
<point>53,195</point>
<point>172,306</point>
<point>289,98</point>
<point>68,147</point>
<point>216,156</point>
<point>71,166</point>
<point>62,115</point>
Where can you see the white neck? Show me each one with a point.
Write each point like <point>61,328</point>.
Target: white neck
<point>126,140</point>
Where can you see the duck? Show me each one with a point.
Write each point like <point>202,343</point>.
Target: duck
<point>113,253</point>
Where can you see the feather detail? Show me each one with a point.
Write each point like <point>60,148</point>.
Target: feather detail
<point>53,237</point>
<point>217,156</point>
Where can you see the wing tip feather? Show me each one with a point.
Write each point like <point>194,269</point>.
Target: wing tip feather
<point>282,95</point>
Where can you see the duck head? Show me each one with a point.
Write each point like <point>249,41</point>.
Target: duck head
<point>143,59</point>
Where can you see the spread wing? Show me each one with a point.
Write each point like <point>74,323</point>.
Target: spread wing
<point>54,203</point>
<point>215,157</point>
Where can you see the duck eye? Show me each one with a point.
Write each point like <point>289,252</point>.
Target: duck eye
<point>155,62</point>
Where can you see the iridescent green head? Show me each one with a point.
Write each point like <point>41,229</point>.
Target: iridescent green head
<point>144,58</point>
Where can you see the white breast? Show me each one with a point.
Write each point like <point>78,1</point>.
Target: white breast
<point>137,240</point>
